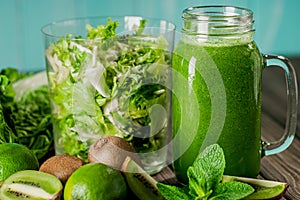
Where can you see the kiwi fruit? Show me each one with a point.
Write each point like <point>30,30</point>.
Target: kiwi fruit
<point>112,151</point>
<point>264,189</point>
<point>61,166</point>
<point>31,184</point>
<point>141,184</point>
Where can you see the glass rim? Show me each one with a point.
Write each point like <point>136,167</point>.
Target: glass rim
<point>218,20</point>
<point>171,25</point>
<point>203,12</point>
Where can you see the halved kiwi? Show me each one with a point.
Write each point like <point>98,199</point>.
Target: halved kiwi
<point>31,184</point>
<point>141,184</point>
<point>264,189</point>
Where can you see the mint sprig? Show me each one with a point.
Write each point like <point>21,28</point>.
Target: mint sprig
<point>175,193</point>
<point>205,180</point>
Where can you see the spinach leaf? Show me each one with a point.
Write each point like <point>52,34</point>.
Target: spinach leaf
<point>6,133</point>
<point>25,114</point>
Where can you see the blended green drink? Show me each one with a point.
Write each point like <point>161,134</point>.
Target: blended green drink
<point>221,80</point>
<point>239,65</point>
<point>216,91</point>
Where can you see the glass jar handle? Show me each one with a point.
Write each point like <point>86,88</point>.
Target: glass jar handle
<point>270,148</point>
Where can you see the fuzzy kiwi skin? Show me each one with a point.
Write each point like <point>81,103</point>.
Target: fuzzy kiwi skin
<point>61,166</point>
<point>112,151</point>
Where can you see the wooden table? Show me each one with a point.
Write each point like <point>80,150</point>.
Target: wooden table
<point>285,166</point>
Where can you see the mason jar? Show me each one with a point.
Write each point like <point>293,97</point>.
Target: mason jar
<point>217,95</point>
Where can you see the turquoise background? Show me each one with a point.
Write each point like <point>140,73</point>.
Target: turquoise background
<point>277,23</point>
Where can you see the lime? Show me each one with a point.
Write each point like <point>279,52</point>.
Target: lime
<point>95,181</point>
<point>15,157</point>
<point>264,189</point>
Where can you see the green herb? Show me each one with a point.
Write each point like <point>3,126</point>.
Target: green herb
<point>171,192</point>
<point>231,191</point>
<point>25,114</point>
<point>205,180</point>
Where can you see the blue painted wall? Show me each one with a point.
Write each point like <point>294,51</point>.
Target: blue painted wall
<point>277,23</point>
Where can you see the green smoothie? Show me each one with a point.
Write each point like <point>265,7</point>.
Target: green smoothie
<point>225,77</point>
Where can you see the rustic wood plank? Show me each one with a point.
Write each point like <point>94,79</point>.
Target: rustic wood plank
<point>167,176</point>
<point>285,166</point>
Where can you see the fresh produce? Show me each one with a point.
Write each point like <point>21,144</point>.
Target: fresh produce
<point>95,181</point>
<point>31,184</point>
<point>100,181</point>
<point>111,151</point>
<point>264,189</point>
<point>25,113</point>
<point>61,166</point>
<point>205,180</point>
<point>107,84</point>
<point>15,157</point>
<point>140,183</point>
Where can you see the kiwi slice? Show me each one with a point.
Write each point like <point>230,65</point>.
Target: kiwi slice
<point>264,189</point>
<point>142,184</point>
<point>31,184</point>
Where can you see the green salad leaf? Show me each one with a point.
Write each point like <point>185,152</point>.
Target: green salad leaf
<point>102,31</point>
<point>205,177</point>
<point>25,113</point>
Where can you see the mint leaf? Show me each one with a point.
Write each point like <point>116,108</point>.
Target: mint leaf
<point>170,192</point>
<point>231,191</point>
<point>206,171</point>
<point>205,180</point>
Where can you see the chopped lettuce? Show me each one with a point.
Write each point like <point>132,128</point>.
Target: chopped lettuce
<point>102,31</point>
<point>109,85</point>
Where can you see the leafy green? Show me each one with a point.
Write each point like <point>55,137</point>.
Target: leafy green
<point>107,84</point>
<point>102,31</point>
<point>6,133</point>
<point>231,190</point>
<point>206,171</point>
<point>25,114</point>
<point>141,27</point>
<point>170,192</point>
<point>205,180</point>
